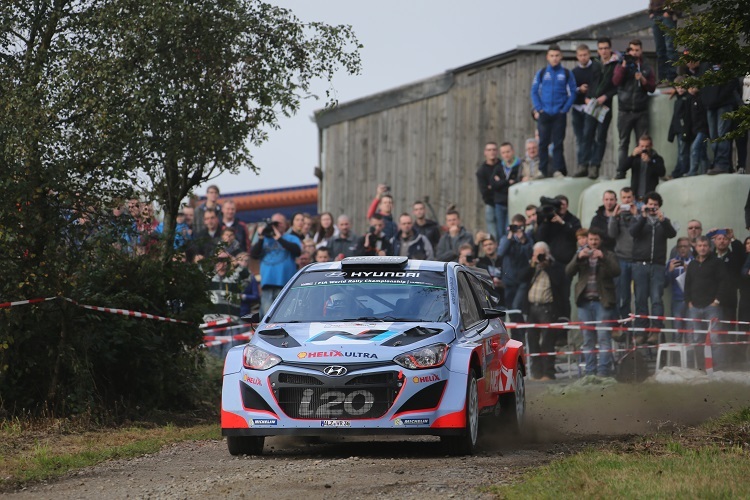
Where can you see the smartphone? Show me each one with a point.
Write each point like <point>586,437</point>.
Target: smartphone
<point>625,207</point>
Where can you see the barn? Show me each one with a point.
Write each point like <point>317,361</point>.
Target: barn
<point>425,139</point>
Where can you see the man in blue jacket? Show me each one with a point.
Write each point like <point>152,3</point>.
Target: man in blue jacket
<point>552,94</point>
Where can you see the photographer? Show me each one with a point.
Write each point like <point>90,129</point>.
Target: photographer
<point>382,205</point>
<point>676,268</point>
<point>557,227</point>
<point>650,231</point>
<point>618,227</point>
<point>546,304</point>
<point>634,80</point>
<point>515,250</point>
<point>647,167</point>
<point>375,241</point>
<point>276,252</point>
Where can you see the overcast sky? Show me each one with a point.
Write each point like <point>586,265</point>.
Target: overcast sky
<point>405,41</point>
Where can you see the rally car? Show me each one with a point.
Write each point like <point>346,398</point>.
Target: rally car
<point>376,345</point>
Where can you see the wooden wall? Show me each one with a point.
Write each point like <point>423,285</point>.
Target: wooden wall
<point>432,147</point>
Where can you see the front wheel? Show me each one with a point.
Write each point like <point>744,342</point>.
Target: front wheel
<point>513,405</point>
<point>245,445</point>
<point>466,443</point>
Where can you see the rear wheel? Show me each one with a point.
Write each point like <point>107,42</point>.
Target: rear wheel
<point>513,405</point>
<point>245,445</point>
<point>466,443</point>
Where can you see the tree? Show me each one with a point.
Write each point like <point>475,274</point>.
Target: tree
<point>718,31</point>
<point>96,96</point>
<point>203,80</point>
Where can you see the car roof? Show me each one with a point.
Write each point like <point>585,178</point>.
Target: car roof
<point>375,262</point>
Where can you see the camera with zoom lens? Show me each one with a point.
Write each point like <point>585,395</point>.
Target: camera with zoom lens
<point>268,230</point>
<point>548,208</point>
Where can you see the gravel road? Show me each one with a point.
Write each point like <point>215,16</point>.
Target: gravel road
<point>414,467</point>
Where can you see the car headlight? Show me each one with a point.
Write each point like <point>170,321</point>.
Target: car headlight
<point>255,358</point>
<point>426,357</point>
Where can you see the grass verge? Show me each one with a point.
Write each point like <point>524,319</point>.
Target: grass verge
<point>28,455</point>
<point>710,461</point>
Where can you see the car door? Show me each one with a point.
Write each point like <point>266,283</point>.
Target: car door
<point>494,339</point>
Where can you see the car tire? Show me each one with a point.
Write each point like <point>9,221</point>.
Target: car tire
<point>466,442</point>
<point>245,445</point>
<point>513,406</point>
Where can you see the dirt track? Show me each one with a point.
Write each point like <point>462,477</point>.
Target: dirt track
<point>397,467</point>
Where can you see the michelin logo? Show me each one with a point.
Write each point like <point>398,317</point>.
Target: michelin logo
<point>411,421</point>
<point>265,421</point>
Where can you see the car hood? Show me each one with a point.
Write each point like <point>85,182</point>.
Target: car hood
<point>361,340</point>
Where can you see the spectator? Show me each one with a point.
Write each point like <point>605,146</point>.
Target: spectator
<point>225,295</point>
<point>345,243</point>
<point>634,80</point>
<point>322,254</point>
<point>546,304</point>
<point>383,204</point>
<point>676,278</point>
<point>603,90</point>
<point>466,255</point>
<point>230,243</point>
<point>241,264</point>
<point>694,230</point>
<point>680,128</point>
<point>698,133</point>
<point>719,100</point>
<point>250,297</point>
<point>558,230</point>
<point>647,167</point>
<point>664,19</point>
<point>207,240</point>
<point>307,224</point>
<point>747,211</point>
<point>602,217</point>
<point>530,164</point>
<point>733,259</point>
<point>189,218</point>
<point>618,227</point>
<point>298,226</point>
<point>304,259</point>
<point>744,308</point>
<point>375,241</point>
<point>326,232</point>
<point>148,228</point>
<point>229,219</point>
<point>211,204</point>
<point>650,231</point>
<point>515,250</point>
<point>504,176</point>
<point>552,94</point>
<point>531,221</point>
<point>595,297</point>
<point>447,249</point>
<point>409,243</point>
<point>425,226</point>
<point>484,182</point>
<point>276,252</point>
<point>587,72</point>
<point>308,245</point>
<point>705,288</point>
<point>493,264</point>
<point>582,238</point>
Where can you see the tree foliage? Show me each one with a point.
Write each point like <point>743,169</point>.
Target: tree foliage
<point>101,100</point>
<point>718,32</point>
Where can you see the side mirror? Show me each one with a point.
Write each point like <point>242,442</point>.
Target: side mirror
<point>252,318</point>
<point>490,313</point>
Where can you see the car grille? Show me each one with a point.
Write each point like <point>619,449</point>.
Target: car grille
<point>320,397</point>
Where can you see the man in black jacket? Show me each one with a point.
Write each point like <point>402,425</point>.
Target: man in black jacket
<point>484,182</point>
<point>601,219</point>
<point>705,289</point>
<point>718,100</point>
<point>650,231</point>
<point>587,72</point>
<point>603,90</point>
<point>558,230</point>
<point>423,225</point>
<point>647,167</point>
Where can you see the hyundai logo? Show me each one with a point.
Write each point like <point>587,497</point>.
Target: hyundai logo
<point>336,274</point>
<point>334,371</point>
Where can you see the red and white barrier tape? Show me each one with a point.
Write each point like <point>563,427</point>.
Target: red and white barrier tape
<point>672,318</point>
<point>707,344</point>
<point>126,312</point>
<point>6,305</point>
<point>226,328</point>
<point>227,339</point>
<point>218,322</point>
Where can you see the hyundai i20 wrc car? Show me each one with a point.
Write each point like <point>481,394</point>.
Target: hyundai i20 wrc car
<point>376,345</point>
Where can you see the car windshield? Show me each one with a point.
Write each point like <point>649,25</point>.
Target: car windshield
<point>367,295</point>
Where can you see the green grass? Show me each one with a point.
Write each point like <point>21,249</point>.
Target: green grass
<point>34,456</point>
<point>712,461</point>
